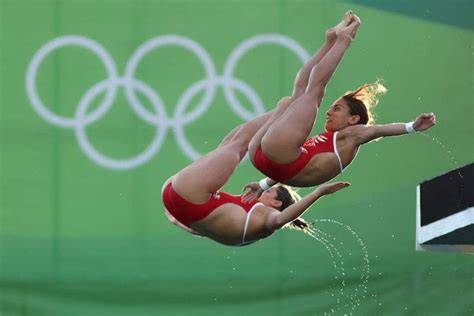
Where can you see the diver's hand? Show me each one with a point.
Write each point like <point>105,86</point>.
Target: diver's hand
<point>424,121</point>
<point>252,192</point>
<point>330,188</point>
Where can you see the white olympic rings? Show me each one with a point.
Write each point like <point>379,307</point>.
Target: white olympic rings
<point>159,119</point>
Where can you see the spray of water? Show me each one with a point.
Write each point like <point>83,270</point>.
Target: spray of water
<point>453,161</point>
<point>336,258</point>
<point>344,298</point>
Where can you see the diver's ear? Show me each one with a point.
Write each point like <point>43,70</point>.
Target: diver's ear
<point>277,204</point>
<point>354,119</point>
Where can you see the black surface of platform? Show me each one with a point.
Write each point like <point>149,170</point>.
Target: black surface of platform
<point>447,194</point>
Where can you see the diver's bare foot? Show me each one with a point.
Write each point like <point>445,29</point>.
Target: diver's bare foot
<point>346,20</point>
<point>349,32</point>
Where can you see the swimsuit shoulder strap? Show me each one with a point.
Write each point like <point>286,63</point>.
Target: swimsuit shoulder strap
<point>247,220</point>
<point>337,152</point>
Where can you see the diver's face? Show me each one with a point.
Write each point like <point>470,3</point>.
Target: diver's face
<point>339,116</point>
<point>269,198</point>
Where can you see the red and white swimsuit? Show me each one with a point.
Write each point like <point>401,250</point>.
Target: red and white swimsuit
<point>325,142</point>
<point>187,213</point>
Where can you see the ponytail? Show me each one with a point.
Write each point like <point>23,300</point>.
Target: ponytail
<point>363,100</point>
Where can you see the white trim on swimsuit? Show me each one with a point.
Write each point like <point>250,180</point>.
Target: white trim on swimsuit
<point>336,152</point>
<point>247,219</point>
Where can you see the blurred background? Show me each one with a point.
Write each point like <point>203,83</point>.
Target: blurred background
<point>102,101</point>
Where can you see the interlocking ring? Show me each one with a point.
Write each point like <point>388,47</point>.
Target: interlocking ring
<point>159,119</point>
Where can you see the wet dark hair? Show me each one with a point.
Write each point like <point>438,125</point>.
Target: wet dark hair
<point>363,99</point>
<point>288,196</point>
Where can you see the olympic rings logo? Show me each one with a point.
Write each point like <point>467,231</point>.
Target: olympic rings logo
<point>160,119</point>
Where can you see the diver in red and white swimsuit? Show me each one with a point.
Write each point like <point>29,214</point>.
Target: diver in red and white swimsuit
<point>283,149</point>
<point>187,213</point>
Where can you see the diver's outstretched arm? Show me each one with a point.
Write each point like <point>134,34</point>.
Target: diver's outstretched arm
<point>276,220</point>
<point>363,134</point>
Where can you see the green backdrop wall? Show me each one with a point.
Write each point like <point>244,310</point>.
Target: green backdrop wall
<point>101,101</point>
